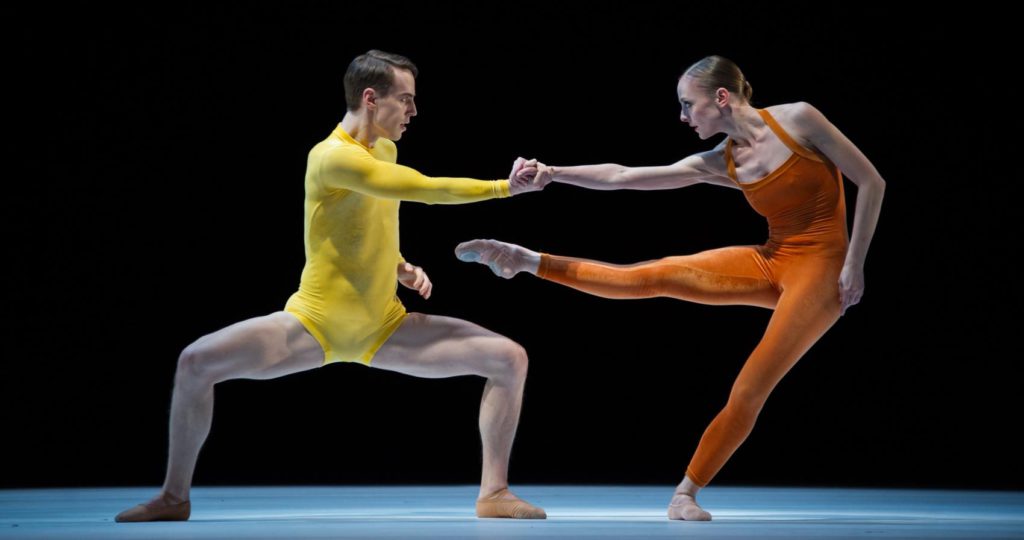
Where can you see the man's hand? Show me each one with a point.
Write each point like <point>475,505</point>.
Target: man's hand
<point>524,178</point>
<point>413,277</point>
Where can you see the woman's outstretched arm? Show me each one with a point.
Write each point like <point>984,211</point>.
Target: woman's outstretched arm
<point>703,167</point>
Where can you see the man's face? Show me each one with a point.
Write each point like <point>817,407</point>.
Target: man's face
<point>395,110</point>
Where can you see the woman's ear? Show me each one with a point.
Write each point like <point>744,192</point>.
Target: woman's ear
<point>722,97</point>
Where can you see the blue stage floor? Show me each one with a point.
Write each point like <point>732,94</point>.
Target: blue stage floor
<point>573,512</point>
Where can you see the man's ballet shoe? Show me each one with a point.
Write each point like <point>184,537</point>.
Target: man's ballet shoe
<point>493,506</point>
<point>156,510</point>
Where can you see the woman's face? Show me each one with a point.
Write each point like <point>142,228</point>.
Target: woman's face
<point>698,107</point>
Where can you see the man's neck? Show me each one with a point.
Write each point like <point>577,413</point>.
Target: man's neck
<point>358,127</point>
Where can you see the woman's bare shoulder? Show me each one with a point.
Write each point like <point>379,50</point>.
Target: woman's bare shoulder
<point>792,112</point>
<point>800,119</point>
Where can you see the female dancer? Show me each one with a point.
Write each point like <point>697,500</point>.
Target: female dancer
<point>787,160</point>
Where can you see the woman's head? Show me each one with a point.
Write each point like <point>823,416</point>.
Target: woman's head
<point>707,90</point>
<point>714,72</point>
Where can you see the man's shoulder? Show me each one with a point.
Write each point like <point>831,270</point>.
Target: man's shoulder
<point>335,149</point>
<point>340,151</point>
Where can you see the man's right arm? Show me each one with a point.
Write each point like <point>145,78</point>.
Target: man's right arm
<point>361,173</point>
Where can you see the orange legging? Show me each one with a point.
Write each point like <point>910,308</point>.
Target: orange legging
<point>805,307</point>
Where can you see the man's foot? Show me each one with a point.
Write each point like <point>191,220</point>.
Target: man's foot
<point>503,504</point>
<point>685,507</point>
<point>163,507</point>
<point>505,260</point>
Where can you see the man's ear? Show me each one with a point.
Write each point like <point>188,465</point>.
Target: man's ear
<point>370,99</point>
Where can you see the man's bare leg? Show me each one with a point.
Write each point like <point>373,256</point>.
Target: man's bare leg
<point>261,348</point>
<point>506,260</point>
<point>433,346</point>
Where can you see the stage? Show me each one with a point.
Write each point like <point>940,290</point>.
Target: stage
<point>573,512</point>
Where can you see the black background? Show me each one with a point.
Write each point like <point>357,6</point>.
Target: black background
<point>156,196</point>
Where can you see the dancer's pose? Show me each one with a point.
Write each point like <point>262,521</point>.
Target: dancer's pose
<point>345,309</point>
<point>787,160</point>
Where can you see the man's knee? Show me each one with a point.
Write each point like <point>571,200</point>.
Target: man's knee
<point>511,360</point>
<point>194,366</point>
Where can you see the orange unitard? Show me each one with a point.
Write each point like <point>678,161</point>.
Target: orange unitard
<point>796,273</point>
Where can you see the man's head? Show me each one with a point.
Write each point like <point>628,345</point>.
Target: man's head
<point>383,86</point>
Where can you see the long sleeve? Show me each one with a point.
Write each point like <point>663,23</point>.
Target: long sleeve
<point>355,170</point>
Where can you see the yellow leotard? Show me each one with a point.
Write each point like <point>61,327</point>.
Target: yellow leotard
<point>346,298</point>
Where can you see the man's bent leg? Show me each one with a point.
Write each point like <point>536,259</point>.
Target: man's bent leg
<point>433,346</point>
<point>261,348</point>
